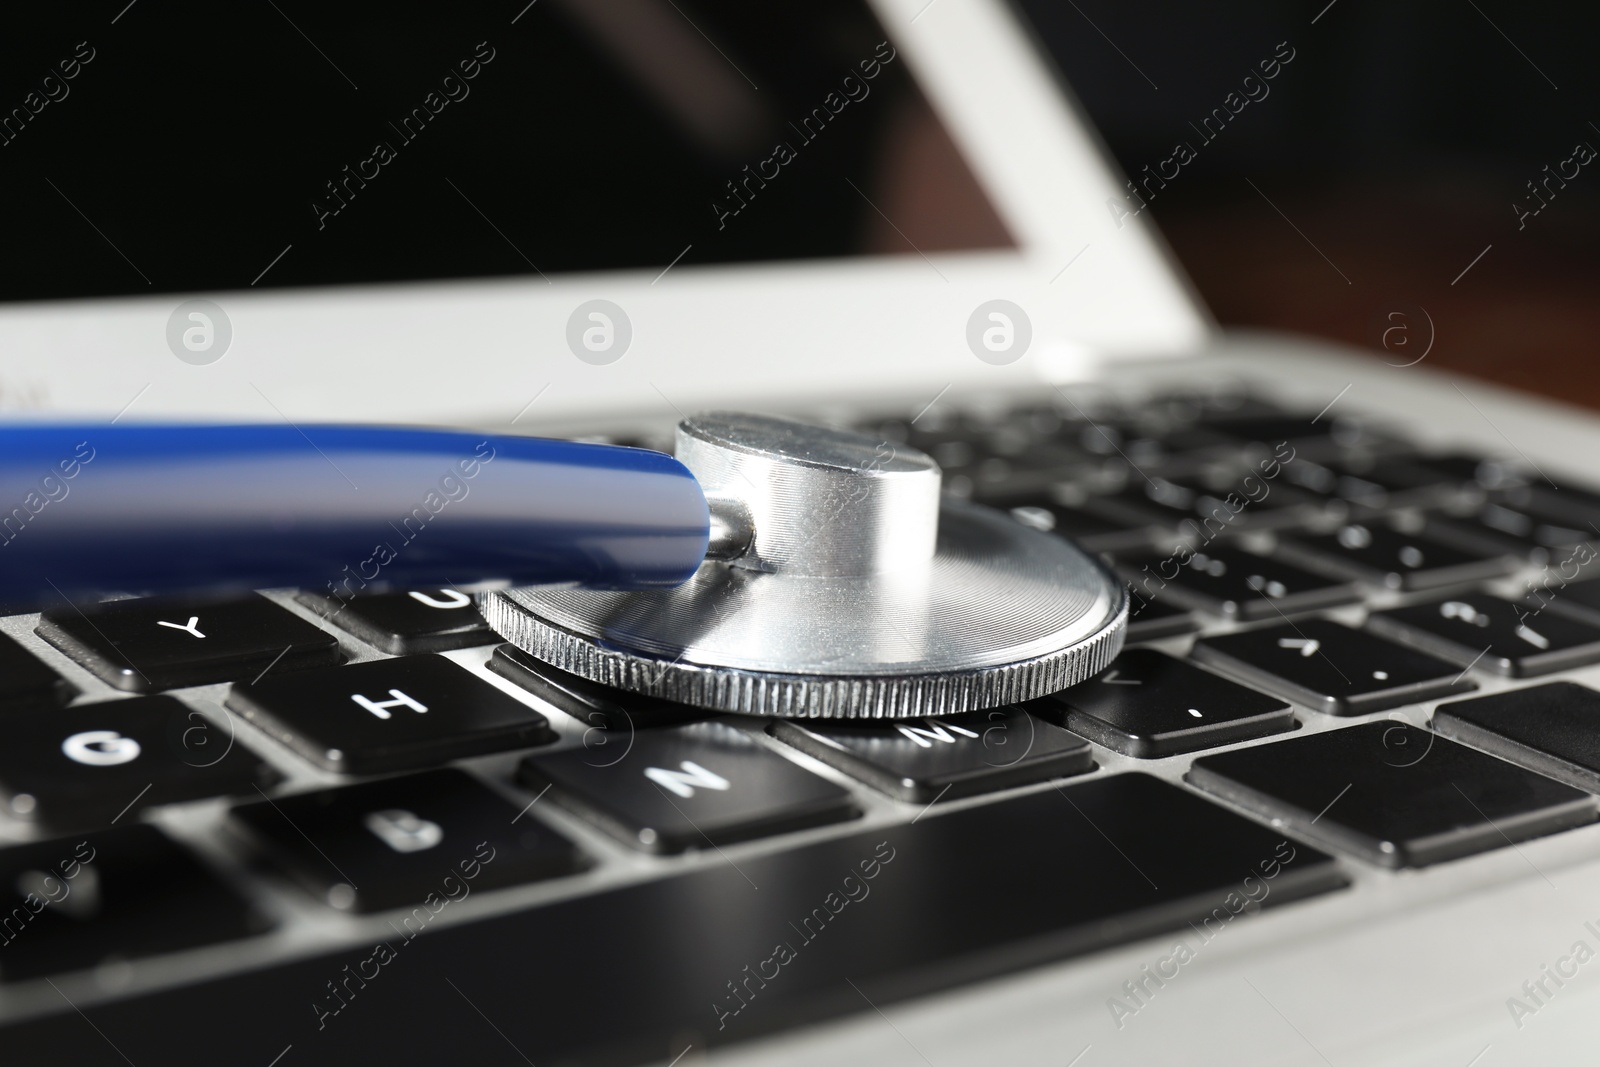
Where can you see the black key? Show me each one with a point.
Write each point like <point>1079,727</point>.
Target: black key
<point>1092,532</point>
<point>1034,470</point>
<point>26,683</point>
<point>1489,632</point>
<point>75,902</point>
<point>1189,442</point>
<point>901,911</point>
<point>95,764</point>
<point>1151,705</point>
<point>1319,478</point>
<point>1552,728</point>
<point>1375,482</point>
<point>1149,620</point>
<point>1306,436</point>
<point>1248,502</point>
<point>1393,794</point>
<point>1524,531</point>
<point>1110,439</point>
<point>1379,554</point>
<point>958,756</point>
<point>1331,667</point>
<point>1570,504</point>
<point>1268,426</point>
<point>423,840</point>
<point>1468,470</point>
<point>420,620</point>
<point>1233,583</point>
<point>704,784</point>
<point>1537,521</point>
<point>1289,434</point>
<point>1035,448</point>
<point>1203,508</point>
<point>1231,401</point>
<point>604,709</point>
<point>1581,600</point>
<point>389,715</point>
<point>1390,482</point>
<point>147,644</point>
<point>1160,502</point>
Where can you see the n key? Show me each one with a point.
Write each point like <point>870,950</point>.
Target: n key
<point>1489,632</point>
<point>687,786</point>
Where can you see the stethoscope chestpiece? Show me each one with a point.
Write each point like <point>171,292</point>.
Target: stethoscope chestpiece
<point>839,584</point>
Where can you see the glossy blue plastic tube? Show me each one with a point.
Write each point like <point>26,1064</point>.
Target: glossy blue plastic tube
<point>90,509</point>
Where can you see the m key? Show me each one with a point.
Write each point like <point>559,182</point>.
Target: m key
<point>923,759</point>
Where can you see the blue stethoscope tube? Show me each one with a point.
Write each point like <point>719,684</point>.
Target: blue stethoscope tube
<point>93,509</point>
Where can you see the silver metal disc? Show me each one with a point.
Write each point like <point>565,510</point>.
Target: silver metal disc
<point>1001,614</point>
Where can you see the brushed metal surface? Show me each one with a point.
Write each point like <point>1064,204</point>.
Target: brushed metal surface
<point>840,613</point>
<point>819,501</point>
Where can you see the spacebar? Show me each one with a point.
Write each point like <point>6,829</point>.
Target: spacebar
<point>732,951</point>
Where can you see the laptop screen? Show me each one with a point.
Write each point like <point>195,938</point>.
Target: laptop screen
<point>185,146</point>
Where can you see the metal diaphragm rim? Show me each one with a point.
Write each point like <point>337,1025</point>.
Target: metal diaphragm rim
<point>1004,615</point>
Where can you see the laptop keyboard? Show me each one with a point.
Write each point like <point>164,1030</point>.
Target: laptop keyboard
<point>292,762</point>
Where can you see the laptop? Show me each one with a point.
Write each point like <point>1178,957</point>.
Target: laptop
<point>1333,803</point>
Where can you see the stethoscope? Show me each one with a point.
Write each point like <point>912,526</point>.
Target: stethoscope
<point>772,568</point>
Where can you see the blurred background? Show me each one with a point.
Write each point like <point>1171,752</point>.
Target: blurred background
<point>1411,178</point>
<point>1393,149</point>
